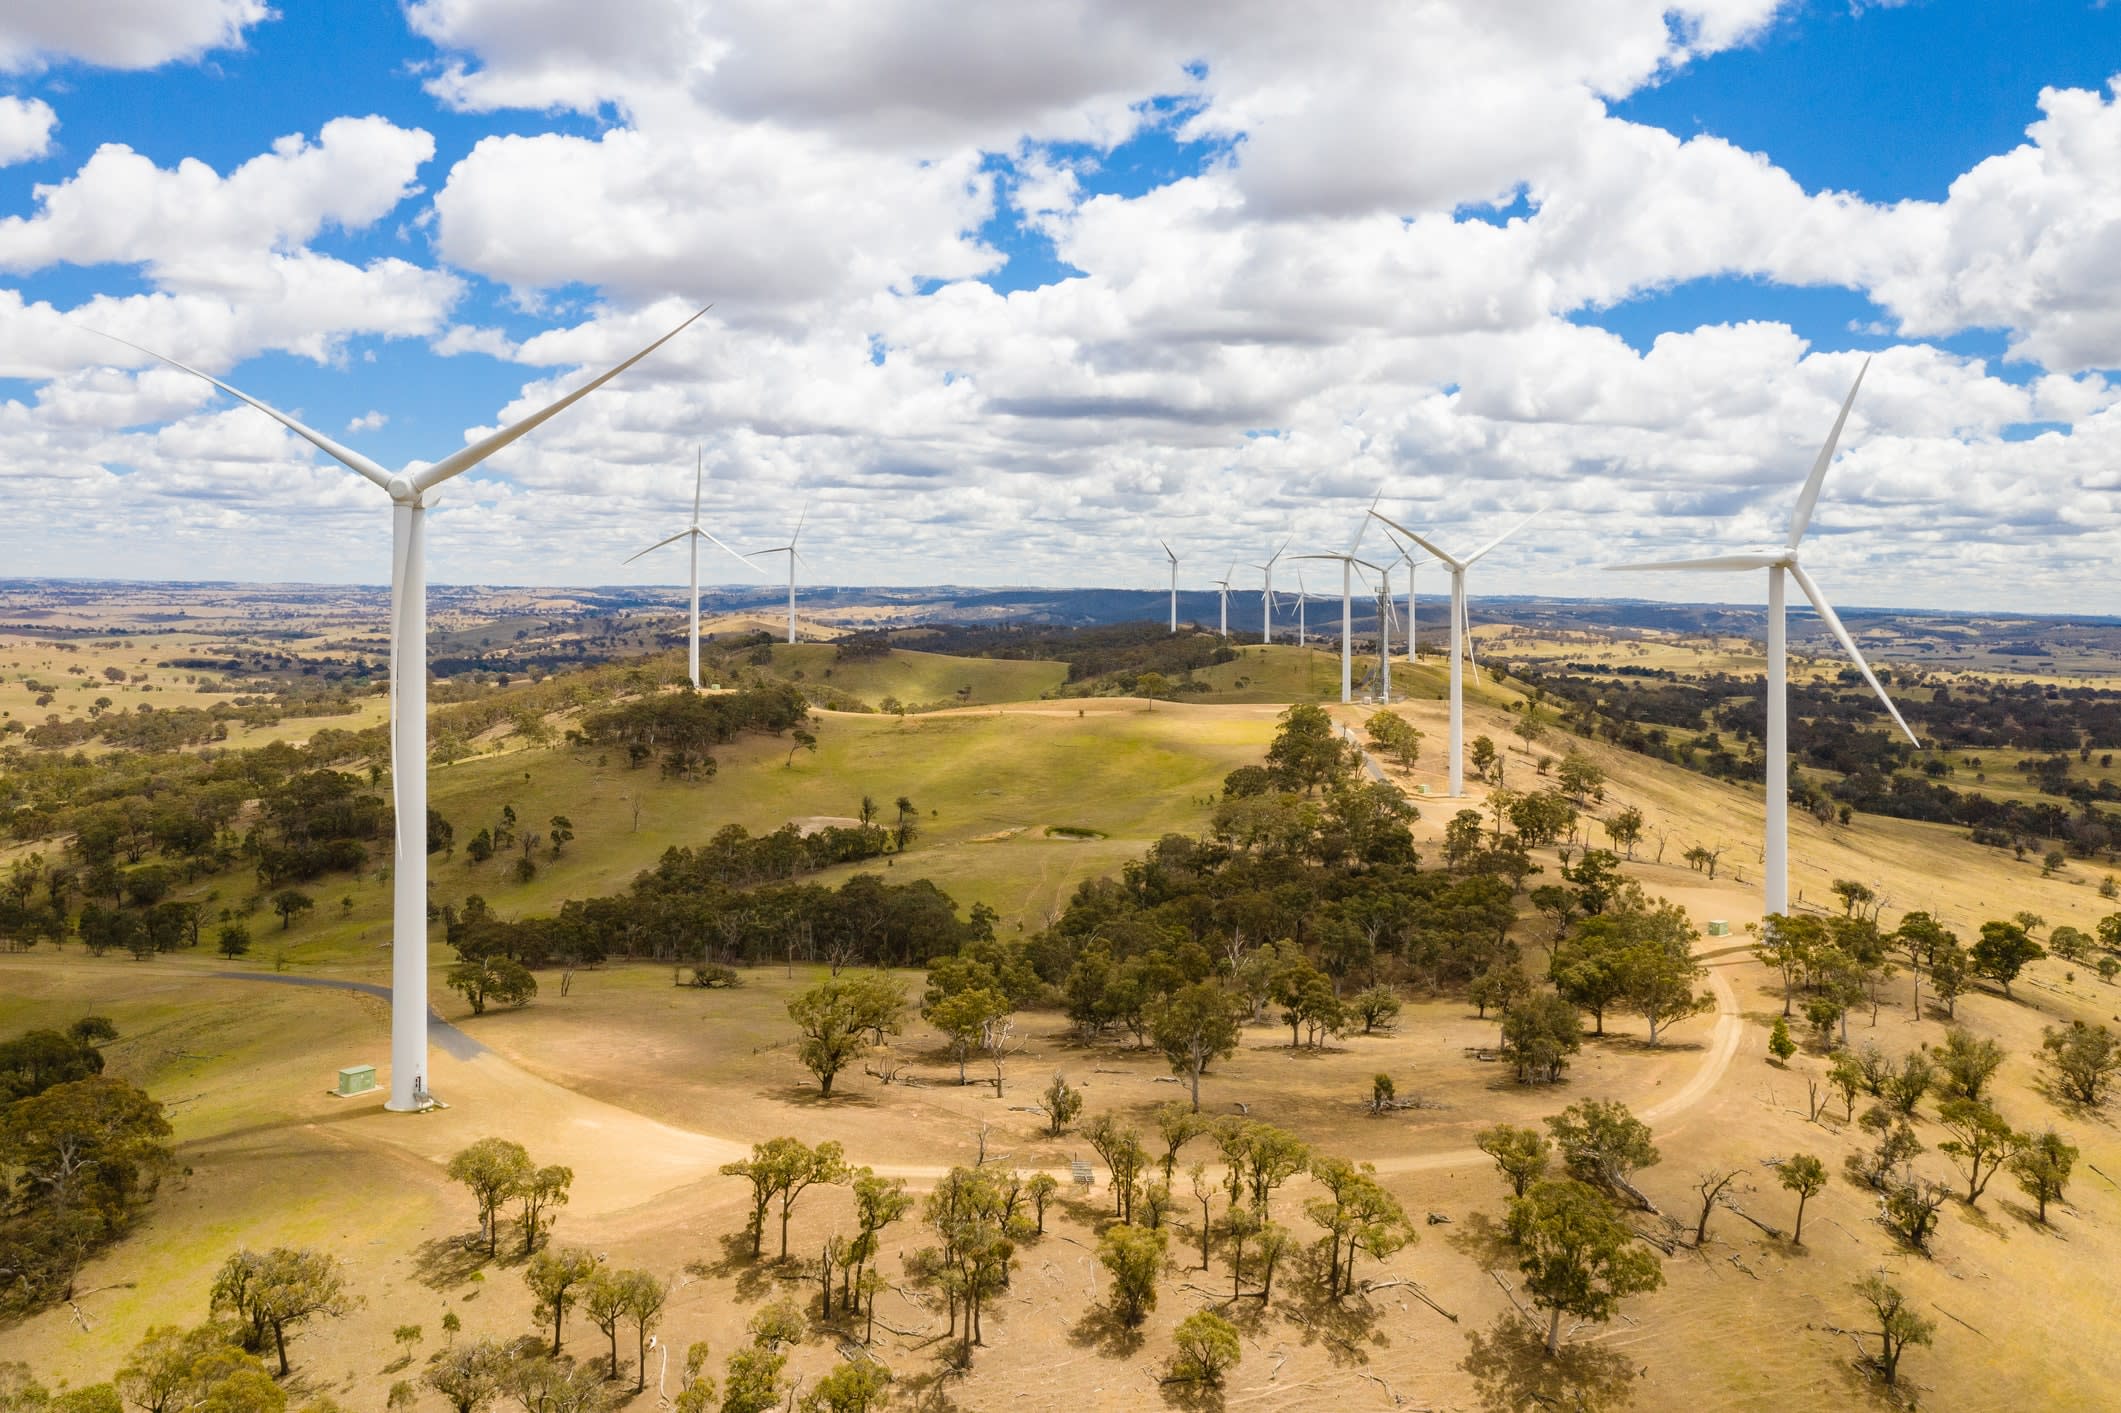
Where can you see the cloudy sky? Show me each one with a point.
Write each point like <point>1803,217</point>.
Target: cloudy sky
<point>1003,292</point>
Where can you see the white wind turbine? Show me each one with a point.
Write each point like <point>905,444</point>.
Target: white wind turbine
<point>1461,635</point>
<point>1174,585</point>
<point>1301,595</point>
<point>1413,622</point>
<point>1778,562</point>
<point>1386,617</point>
<point>411,494</point>
<point>1266,593</point>
<point>1222,596</point>
<point>794,558</point>
<point>693,534</point>
<point>1347,562</point>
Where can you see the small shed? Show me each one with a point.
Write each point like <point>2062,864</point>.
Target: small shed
<point>356,1079</point>
<point>1718,927</point>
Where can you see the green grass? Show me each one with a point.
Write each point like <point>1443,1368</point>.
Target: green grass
<point>987,786</point>
<point>918,678</point>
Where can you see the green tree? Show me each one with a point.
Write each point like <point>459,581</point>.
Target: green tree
<point>849,1388</point>
<point>291,903</point>
<point>173,1370</point>
<point>1539,1034</point>
<point>2042,1168</point>
<point>1521,1154</point>
<point>1779,1043</point>
<point>493,1168</point>
<point>1804,1175</point>
<point>1194,1027</point>
<point>1578,1259</point>
<point>540,1194</point>
<point>2003,952</point>
<point>2081,1060</point>
<point>752,1382</point>
<point>277,1292</point>
<point>1393,736</point>
<point>556,1280</point>
<point>963,1018</point>
<point>1208,1348</point>
<point>1897,1325</point>
<point>1307,751</point>
<point>559,833</point>
<point>782,1169</point>
<point>233,940</point>
<point>1981,1142</point>
<point>604,1300</point>
<point>1625,830</point>
<point>1602,1143</point>
<point>1965,1063</point>
<point>1135,1256</point>
<point>1377,1007</point>
<point>836,1017</point>
<point>1062,1103</point>
<point>492,979</point>
<point>776,1323</point>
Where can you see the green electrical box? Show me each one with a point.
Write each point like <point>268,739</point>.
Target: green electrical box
<point>1719,928</point>
<point>357,1079</point>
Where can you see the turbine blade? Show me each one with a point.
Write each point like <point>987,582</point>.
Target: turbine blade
<point>1388,520</point>
<point>1809,497</point>
<point>743,559</point>
<point>1364,523</point>
<point>1721,561</point>
<point>801,516</point>
<point>697,476</point>
<point>345,456</point>
<point>1167,552</point>
<point>1848,645</point>
<point>1476,554</point>
<point>464,459</point>
<point>658,545</point>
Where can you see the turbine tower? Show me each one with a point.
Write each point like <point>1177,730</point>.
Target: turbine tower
<point>1174,585</point>
<point>794,559</point>
<point>1301,595</point>
<point>1266,593</point>
<point>1386,617</point>
<point>1348,563</point>
<point>412,493</point>
<point>1781,562</point>
<point>1413,623</point>
<point>693,534</point>
<point>1461,635</point>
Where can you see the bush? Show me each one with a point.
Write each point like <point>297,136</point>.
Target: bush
<point>1207,1348</point>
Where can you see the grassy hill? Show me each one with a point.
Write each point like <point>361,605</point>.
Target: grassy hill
<point>919,678</point>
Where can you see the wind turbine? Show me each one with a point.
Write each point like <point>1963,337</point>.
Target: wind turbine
<point>794,559</point>
<point>1266,593</point>
<point>1461,634</point>
<point>1301,595</point>
<point>1347,563</point>
<point>1174,585</point>
<point>1779,562</point>
<point>1222,595</point>
<point>1413,623</point>
<point>1386,616</point>
<point>693,534</point>
<point>412,493</point>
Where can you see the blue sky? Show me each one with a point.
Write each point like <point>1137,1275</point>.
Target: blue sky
<point>1099,196</point>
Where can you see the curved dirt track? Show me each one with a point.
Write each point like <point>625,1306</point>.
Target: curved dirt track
<point>690,1154</point>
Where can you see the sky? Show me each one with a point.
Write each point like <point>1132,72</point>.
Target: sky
<point>1003,294</point>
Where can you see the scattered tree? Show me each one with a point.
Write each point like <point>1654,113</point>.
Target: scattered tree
<point>1578,1259</point>
<point>1897,1327</point>
<point>1805,1175</point>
